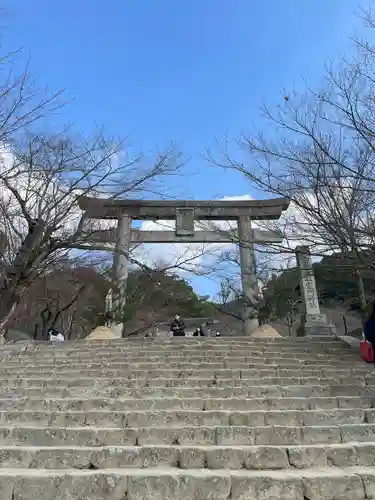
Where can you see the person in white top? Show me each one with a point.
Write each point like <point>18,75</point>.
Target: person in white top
<point>55,336</point>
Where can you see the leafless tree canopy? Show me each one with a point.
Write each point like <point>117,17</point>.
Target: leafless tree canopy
<point>318,150</point>
<point>69,298</point>
<point>41,176</point>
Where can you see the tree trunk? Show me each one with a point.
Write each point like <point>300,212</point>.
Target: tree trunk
<point>7,310</point>
<point>361,295</point>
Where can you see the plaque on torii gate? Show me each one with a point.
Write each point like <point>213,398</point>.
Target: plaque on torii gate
<point>185,213</point>
<point>185,221</point>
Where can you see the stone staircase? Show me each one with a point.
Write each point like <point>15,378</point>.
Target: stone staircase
<point>187,419</point>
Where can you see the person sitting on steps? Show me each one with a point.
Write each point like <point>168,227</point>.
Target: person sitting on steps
<point>198,331</point>
<point>55,336</point>
<point>178,327</point>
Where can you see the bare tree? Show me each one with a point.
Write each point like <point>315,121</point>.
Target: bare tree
<point>282,299</point>
<point>42,174</point>
<point>225,269</point>
<point>23,105</point>
<point>69,297</point>
<point>41,181</point>
<point>319,152</point>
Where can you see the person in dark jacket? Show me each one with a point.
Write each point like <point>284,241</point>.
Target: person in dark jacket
<point>369,330</point>
<point>178,327</point>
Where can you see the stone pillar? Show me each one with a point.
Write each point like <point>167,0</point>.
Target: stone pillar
<point>120,270</point>
<point>248,275</point>
<point>315,323</point>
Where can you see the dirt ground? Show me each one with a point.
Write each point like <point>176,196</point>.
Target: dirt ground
<point>265,331</point>
<point>101,333</point>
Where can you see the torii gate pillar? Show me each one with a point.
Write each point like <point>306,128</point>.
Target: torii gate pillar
<point>250,291</point>
<point>120,269</point>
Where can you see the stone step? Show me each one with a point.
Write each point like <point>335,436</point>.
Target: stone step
<point>209,402</point>
<point>234,390</point>
<point>174,388</point>
<point>107,373</point>
<point>179,417</point>
<point>185,356</point>
<point>173,363</point>
<point>212,400</point>
<point>188,457</point>
<point>165,345</point>
<point>179,362</point>
<point>189,343</point>
<point>270,371</point>
<point>188,366</point>
<point>55,352</point>
<point>113,372</point>
<point>160,379</point>
<point>187,419</point>
<point>124,394</point>
<point>133,372</point>
<point>261,363</point>
<point>187,435</point>
<point>122,388</point>
<point>186,342</point>
<point>349,483</point>
<point>180,352</point>
<point>181,355</point>
<point>201,357</point>
<point>55,380</point>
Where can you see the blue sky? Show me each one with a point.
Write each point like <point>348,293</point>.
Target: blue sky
<point>182,70</point>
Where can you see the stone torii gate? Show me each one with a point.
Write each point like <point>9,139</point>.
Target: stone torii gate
<point>185,213</point>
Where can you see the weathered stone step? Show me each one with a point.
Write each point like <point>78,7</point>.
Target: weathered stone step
<point>111,372</point>
<point>190,364</point>
<point>228,390</point>
<point>246,392</point>
<point>260,362</point>
<point>214,400</point>
<point>209,364</point>
<point>55,380</point>
<point>254,385</point>
<point>349,483</point>
<point>242,354</point>
<point>186,342</point>
<point>187,419</point>
<point>209,402</point>
<point>188,457</point>
<point>220,373</point>
<point>181,355</point>
<point>124,367</point>
<point>202,358</point>
<point>240,351</point>
<point>194,345</point>
<point>188,435</point>
<point>148,417</point>
<point>270,371</point>
<point>192,389</point>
